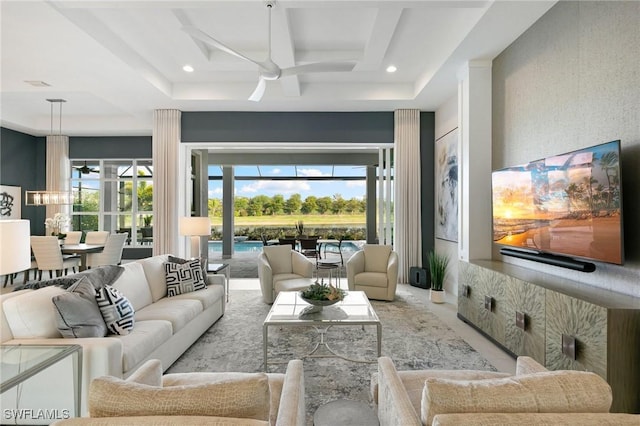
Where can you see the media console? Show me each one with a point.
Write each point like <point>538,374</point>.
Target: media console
<point>562,324</point>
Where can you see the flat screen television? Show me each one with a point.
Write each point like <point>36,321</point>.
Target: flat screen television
<point>566,205</point>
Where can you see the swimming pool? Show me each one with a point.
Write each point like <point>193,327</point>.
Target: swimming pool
<point>256,246</point>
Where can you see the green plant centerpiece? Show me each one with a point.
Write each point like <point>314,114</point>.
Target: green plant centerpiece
<point>437,269</point>
<point>319,295</point>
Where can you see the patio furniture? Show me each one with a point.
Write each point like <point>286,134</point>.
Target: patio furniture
<point>289,241</point>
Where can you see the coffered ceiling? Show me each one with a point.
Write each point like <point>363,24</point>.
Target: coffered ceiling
<point>114,62</point>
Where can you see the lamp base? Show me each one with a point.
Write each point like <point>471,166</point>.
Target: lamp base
<point>195,246</point>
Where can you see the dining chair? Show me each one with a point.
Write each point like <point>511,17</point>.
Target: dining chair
<point>73,237</point>
<point>96,237</point>
<point>309,247</point>
<point>290,241</point>
<point>112,253</point>
<point>49,256</point>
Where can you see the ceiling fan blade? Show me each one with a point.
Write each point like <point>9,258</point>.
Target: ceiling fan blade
<point>319,67</point>
<point>206,38</point>
<point>259,90</point>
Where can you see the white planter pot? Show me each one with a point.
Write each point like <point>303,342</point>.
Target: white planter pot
<point>436,296</point>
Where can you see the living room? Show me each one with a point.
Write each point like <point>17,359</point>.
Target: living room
<point>568,82</point>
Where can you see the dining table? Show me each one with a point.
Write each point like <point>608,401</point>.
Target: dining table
<point>82,250</point>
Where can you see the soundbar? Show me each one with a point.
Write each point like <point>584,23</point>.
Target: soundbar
<point>550,259</point>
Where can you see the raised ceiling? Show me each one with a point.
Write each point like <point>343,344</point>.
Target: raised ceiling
<point>116,61</point>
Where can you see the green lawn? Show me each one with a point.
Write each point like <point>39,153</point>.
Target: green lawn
<point>290,220</point>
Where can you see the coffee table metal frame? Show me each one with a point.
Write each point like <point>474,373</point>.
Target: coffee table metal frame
<point>355,309</point>
<point>36,359</point>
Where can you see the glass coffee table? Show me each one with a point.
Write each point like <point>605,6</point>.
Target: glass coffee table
<point>287,310</point>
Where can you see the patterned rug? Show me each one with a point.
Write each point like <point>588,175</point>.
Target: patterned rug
<point>411,335</point>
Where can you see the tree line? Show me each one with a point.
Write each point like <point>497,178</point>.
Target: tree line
<point>263,205</point>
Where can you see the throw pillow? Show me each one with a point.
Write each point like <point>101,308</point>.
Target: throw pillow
<point>546,392</point>
<point>247,397</point>
<point>77,312</point>
<point>184,278</point>
<point>116,310</point>
<point>203,262</point>
<point>101,276</point>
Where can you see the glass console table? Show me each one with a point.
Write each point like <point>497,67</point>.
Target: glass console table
<point>21,362</point>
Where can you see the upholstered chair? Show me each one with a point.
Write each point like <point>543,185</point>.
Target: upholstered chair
<point>96,237</point>
<point>73,237</point>
<point>282,269</point>
<point>374,270</point>
<point>49,257</point>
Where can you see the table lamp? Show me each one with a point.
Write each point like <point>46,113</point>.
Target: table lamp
<point>195,227</point>
<point>15,246</point>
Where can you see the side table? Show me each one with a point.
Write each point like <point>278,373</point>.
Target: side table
<point>345,412</point>
<point>216,268</point>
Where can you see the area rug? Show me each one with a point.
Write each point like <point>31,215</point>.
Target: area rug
<point>411,335</point>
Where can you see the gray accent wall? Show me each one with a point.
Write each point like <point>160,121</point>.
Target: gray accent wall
<point>112,147</point>
<point>427,182</point>
<point>572,81</point>
<point>348,127</point>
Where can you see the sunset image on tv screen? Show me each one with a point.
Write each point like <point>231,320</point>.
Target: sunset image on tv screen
<point>569,204</point>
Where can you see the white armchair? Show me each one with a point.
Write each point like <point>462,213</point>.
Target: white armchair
<point>282,269</point>
<point>374,270</point>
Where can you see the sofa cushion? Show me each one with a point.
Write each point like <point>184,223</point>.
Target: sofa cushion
<point>179,312</point>
<point>184,278</point>
<point>376,257</point>
<point>279,258</point>
<point>207,297</point>
<point>117,311</point>
<point>162,421</point>
<point>246,397</point>
<point>546,392</point>
<point>133,285</point>
<point>154,271</point>
<point>31,314</point>
<point>146,337</point>
<point>537,419</point>
<point>77,312</point>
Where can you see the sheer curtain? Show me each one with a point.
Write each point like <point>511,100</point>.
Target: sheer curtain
<point>407,230</point>
<point>166,140</point>
<point>58,169</point>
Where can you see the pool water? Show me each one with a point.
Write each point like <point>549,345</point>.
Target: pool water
<point>256,246</point>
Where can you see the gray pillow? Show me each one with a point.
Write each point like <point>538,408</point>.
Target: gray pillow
<point>101,276</point>
<point>77,312</point>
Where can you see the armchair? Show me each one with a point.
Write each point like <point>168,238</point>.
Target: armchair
<point>374,270</point>
<point>282,269</point>
<point>147,397</point>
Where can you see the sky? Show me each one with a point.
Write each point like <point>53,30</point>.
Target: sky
<point>251,188</point>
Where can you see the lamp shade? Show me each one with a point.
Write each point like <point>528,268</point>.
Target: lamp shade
<point>15,246</point>
<point>195,226</point>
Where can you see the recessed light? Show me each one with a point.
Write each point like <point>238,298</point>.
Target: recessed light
<point>392,68</point>
<point>188,68</point>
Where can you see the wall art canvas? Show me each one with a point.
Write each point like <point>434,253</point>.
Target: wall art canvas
<point>10,202</point>
<point>447,187</point>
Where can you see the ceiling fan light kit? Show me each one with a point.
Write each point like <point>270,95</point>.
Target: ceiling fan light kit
<point>269,70</point>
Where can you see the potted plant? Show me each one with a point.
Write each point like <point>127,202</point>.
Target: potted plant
<point>319,295</point>
<point>437,269</point>
<point>300,228</point>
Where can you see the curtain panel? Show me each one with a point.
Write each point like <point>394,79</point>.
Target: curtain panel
<point>408,232</point>
<point>166,141</point>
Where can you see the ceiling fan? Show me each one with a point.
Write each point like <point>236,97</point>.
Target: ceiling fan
<point>85,170</point>
<point>268,69</point>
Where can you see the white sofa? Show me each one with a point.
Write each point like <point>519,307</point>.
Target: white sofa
<point>164,328</point>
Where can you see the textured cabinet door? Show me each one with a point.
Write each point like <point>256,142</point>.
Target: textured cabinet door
<point>466,287</point>
<point>525,319</point>
<point>581,321</point>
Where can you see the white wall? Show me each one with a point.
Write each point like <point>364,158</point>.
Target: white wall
<point>446,120</point>
<point>572,81</point>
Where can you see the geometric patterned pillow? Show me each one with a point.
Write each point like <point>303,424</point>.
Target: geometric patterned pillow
<point>184,278</point>
<point>116,310</point>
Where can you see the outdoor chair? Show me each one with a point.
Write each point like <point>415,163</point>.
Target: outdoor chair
<point>289,241</point>
<point>309,247</point>
<point>374,270</point>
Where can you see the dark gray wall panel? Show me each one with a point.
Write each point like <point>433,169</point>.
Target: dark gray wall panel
<point>351,127</point>
<point>110,147</point>
<point>427,143</point>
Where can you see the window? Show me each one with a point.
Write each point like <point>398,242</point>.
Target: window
<point>114,196</point>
